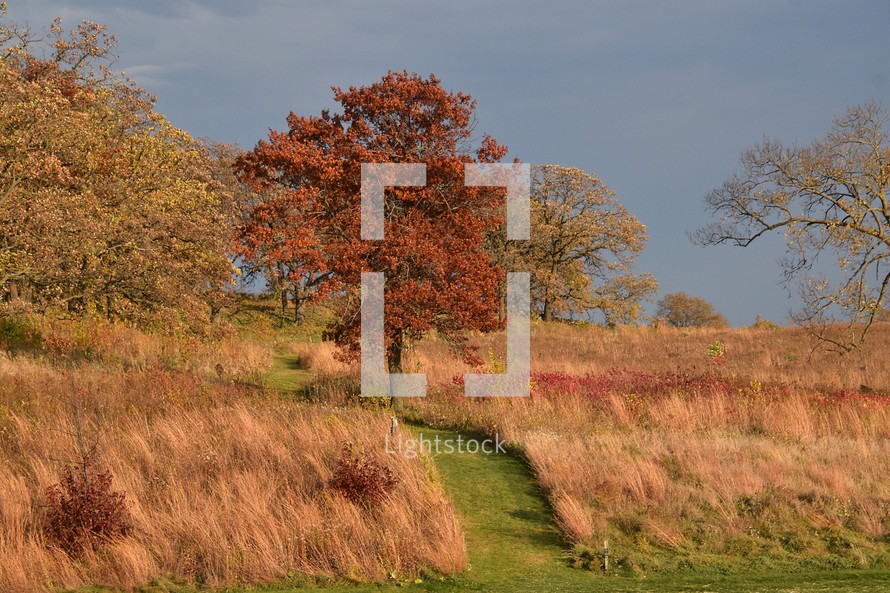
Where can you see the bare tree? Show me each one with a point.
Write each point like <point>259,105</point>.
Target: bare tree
<point>826,198</point>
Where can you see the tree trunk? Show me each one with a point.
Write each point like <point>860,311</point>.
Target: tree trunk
<point>281,286</point>
<point>394,356</point>
<point>298,304</point>
<point>502,303</point>
<point>547,315</point>
<point>394,359</point>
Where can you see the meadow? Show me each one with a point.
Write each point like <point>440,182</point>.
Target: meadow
<point>726,450</point>
<point>226,482</point>
<point>758,464</point>
<point>164,428</point>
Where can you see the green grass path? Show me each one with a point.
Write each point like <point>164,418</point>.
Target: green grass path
<point>512,541</point>
<point>288,374</point>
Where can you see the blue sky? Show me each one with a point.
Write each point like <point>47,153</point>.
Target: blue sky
<point>656,98</point>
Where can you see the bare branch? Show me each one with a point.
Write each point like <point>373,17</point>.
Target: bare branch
<point>827,197</point>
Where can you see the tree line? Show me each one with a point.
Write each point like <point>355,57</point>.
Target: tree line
<point>107,208</point>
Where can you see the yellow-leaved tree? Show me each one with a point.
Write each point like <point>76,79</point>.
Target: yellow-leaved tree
<point>582,248</point>
<point>105,206</point>
<point>828,198</point>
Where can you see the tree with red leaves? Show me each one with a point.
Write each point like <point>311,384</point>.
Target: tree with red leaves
<point>438,277</point>
<point>280,240</point>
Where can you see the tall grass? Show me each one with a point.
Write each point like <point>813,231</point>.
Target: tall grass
<point>774,459</point>
<point>789,355</point>
<point>118,347</point>
<point>225,484</point>
<point>723,480</point>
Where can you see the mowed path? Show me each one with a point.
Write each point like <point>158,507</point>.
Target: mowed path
<point>512,541</point>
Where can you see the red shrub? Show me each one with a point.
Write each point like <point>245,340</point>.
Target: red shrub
<point>597,388</point>
<point>83,512</point>
<point>865,399</point>
<point>363,481</point>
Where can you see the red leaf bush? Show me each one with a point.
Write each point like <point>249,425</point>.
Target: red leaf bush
<point>362,480</point>
<point>83,512</point>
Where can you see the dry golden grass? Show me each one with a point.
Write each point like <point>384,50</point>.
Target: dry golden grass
<point>753,474</point>
<point>228,485</point>
<point>679,482</point>
<point>320,357</point>
<point>119,347</point>
<point>225,485</point>
<point>768,355</point>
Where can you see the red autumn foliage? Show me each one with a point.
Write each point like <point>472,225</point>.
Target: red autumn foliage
<point>83,512</point>
<point>865,399</point>
<point>360,479</point>
<point>624,381</point>
<point>437,275</point>
<point>597,387</point>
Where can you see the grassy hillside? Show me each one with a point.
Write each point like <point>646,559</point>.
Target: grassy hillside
<point>764,455</point>
<point>226,482</point>
<point>760,468</point>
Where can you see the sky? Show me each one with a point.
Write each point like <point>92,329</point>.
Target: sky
<point>658,99</point>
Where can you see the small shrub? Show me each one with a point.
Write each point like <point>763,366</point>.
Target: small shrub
<point>82,512</point>
<point>363,481</point>
<point>58,345</point>
<point>717,353</point>
<point>761,322</point>
<point>18,333</point>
